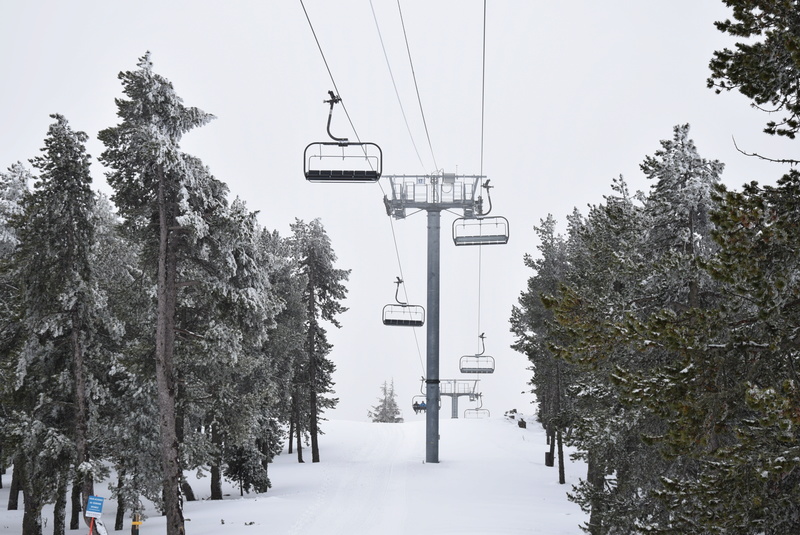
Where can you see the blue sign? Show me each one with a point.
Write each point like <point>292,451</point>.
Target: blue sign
<point>94,507</point>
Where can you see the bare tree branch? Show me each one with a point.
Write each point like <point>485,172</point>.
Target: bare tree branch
<point>755,154</point>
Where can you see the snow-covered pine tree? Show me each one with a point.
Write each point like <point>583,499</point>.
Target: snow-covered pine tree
<point>13,188</point>
<point>532,324</point>
<point>766,66</point>
<point>128,387</point>
<point>285,344</point>
<point>148,174</point>
<point>386,411</point>
<point>322,294</point>
<point>60,313</point>
<point>604,258</point>
<point>223,319</point>
<point>748,482</point>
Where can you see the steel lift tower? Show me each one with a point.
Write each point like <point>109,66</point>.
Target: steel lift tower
<point>433,193</point>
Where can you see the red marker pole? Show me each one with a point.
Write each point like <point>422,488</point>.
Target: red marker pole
<point>91,526</point>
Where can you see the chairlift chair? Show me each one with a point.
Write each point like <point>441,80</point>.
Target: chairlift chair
<point>477,412</point>
<point>422,397</point>
<point>402,314</point>
<point>478,363</point>
<point>342,160</point>
<point>480,228</point>
<point>486,230</point>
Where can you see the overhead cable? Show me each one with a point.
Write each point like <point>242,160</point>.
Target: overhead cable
<point>416,86</point>
<point>394,84</point>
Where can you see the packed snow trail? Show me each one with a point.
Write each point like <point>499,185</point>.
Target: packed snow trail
<point>491,480</point>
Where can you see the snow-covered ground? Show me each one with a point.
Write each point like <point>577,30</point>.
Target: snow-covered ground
<point>491,479</point>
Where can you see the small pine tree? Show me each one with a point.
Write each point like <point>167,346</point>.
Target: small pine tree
<point>386,411</point>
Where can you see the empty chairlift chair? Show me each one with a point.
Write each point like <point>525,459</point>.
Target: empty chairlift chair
<point>476,364</point>
<point>480,228</point>
<point>401,314</point>
<point>342,160</point>
<point>479,363</point>
<point>486,230</point>
<point>477,412</point>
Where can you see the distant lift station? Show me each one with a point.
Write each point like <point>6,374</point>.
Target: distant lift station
<point>342,160</point>
<point>456,388</point>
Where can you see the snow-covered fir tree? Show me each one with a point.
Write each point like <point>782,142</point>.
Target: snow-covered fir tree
<point>63,317</point>
<point>322,295</point>
<point>386,411</point>
<point>148,174</point>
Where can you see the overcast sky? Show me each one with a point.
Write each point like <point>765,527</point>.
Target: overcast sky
<point>576,93</point>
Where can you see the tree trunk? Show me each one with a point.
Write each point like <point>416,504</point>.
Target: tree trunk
<point>81,412</point>
<point>596,478</point>
<point>119,520</point>
<point>561,476</point>
<point>312,424</point>
<point>298,433</point>
<point>60,507</point>
<point>16,484</point>
<point>165,367</point>
<point>291,433</point>
<point>312,391</point>
<point>216,476</point>
<point>188,492</point>
<point>32,515</point>
<point>75,499</point>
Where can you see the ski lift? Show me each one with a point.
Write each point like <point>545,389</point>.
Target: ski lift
<point>419,402</point>
<point>479,363</point>
<point>342,160</point>
<point>478,412</point>
<point>402,314</point>
<point>481,229</point>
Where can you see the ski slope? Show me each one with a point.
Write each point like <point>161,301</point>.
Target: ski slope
<point>491,479</point>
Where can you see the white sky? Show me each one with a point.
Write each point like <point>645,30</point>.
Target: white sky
<point>576,94</point>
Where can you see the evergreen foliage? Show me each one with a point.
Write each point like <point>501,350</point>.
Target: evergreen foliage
<point>386,411</point>
<point>602,303</point>
<point>766,66</point>
<point>321,296</point>
<point>240,349</point>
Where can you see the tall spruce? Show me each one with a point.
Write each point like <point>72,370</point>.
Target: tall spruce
<point>322,296</point>
<point>149,176</point>
<point>59,300</point>
<point>531,323</point>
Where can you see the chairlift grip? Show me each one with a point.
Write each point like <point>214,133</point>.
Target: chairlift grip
<point>334,99</point>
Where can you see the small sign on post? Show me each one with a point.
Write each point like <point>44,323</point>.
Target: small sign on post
<point>94,509</point>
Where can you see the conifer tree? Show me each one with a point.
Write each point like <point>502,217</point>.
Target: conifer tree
<point>62,319</point>
<point>766,66</point>
<point>148,174</point>
<point>386,411</point>
<point>322,294</point>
